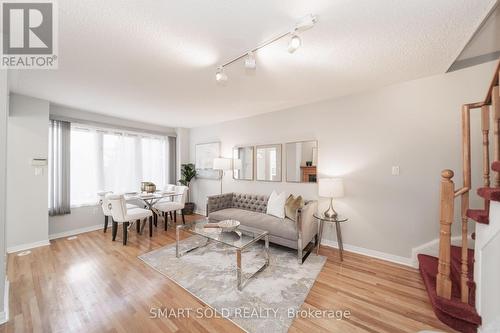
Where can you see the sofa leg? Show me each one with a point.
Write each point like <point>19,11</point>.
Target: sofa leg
<point>299,256</point>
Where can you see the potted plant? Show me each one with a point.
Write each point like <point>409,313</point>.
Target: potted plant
<point>188,172</point>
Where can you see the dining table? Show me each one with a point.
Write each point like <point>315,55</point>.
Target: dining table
<point>150,200</point>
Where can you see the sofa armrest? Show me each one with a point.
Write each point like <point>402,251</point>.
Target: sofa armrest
<point>307,225</point>
<point>218,202</point>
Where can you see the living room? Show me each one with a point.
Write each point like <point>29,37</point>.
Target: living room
<point>262,167</point>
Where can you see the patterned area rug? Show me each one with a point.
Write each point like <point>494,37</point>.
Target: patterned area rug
<point>269,300</point>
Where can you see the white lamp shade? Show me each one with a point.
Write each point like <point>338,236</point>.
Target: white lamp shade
<point>237,164</point>
<point>222,164</point>
<point>331,187</point>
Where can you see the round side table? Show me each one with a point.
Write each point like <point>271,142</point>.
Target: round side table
<point>322,219</point>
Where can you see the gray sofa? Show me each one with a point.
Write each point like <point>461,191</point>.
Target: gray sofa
<point>250,210</point>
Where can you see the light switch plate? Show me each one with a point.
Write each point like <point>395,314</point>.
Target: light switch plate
<point>395,170</point>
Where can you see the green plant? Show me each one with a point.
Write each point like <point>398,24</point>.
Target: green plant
<point>188,172</point>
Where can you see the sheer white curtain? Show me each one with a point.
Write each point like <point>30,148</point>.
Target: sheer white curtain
<point>59,167</point>
<point>115,161</point>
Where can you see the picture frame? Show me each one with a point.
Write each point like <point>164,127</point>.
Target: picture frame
<point>205,153</point>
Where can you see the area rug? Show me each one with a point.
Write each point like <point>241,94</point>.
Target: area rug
<point>267,303</point>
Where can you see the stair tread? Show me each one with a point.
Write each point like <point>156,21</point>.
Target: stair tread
<point>454,313</point>
<point>479,215</point>
<point>489,193</point>
<point>496,166</point>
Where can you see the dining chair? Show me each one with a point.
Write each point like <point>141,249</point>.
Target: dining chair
<point>105,210</point>
<point>121,214</point>
<point>177,203</point>
<point>168,188</point>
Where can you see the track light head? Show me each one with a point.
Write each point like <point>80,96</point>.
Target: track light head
<point>250,61</point>
<point>307,22</point>
<point>294,44</point>
<point>220,76</point>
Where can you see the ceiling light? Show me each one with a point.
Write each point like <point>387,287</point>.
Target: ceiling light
<point>294,44</point>
<point>220,76</point>
<point>250,61</point>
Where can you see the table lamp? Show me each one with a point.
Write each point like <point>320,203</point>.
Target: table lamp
<point>222,164</point>
<point>331,188</point>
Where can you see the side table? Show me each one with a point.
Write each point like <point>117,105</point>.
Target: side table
<point>322,219</point>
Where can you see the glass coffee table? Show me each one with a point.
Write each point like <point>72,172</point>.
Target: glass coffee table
<point>240,239</point>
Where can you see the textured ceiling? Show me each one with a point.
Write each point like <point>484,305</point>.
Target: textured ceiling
<point>154,61</point>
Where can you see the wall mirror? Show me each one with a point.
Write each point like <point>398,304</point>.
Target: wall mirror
<point>301,161</point>
<point>268,162</point>
<point>243,163</point>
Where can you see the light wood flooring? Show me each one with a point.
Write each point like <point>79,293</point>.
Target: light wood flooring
<point>91,284</point>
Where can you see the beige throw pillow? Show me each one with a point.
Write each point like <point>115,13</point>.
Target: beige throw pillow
<point>291,206</point>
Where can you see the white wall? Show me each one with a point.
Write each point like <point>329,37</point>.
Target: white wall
<point>486,268</point>
<point>415,125</point>
<point>182,149</point>
<point>27,193</point>
<point>3,170</point>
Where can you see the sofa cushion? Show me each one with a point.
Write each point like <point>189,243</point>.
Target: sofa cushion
<point>284,228</point>
<point>254,202</point>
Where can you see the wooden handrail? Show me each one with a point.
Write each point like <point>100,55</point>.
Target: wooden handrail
<point>448,193</point>
<point>461,191</point>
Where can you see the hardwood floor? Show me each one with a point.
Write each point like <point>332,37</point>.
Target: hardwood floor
<point>91,284</point>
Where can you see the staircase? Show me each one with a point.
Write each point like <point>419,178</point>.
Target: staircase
<point>449,279</point>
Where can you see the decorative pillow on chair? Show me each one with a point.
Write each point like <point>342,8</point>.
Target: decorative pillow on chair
<point>291,206</point>
<point>276,205</point>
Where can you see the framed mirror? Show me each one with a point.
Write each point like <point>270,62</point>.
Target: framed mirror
<point>301,161</point>
<point>243,163</point>
<point>268,163</point>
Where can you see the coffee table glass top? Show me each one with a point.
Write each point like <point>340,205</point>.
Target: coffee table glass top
<point>239,238</point>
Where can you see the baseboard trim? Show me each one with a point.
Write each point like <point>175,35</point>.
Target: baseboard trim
<point>371,253</point>
<point>4,315</point>
<point>200,212</point>
<point>24,247</point>
<point>75,231</point>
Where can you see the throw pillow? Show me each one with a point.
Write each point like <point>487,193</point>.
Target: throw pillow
<point>276,205</point>
<point>291,206</point>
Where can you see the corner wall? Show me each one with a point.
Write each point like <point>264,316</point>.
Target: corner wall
<point>27,193</point>
<point>414,125</point>
<point>4,110</point>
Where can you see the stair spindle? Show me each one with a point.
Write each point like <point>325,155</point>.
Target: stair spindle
<point>443,281</point>
<point>495,102</point>
<point>466,152</point>
<point>485,127</point>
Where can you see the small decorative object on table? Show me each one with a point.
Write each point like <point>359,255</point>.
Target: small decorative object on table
<point>148,187</point>
<point>337,220</point>
<point>225,226</point>
<point>331,188</point>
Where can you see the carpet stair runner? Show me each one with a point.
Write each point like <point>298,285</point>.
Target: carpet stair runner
<point>488,194</point>
<point>459,316</point>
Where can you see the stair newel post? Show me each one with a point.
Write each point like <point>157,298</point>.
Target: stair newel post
<point>466,152</point>
<point>495,102</point>
<point>443,281</point>
<point>485,128</point>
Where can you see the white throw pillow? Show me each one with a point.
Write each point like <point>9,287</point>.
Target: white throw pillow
<point>276,204</point>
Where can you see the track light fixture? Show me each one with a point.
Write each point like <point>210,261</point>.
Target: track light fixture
<point>295,42</point>
<point>250,61</point>
<point>220,76</point>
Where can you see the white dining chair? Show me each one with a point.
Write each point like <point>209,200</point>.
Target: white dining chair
<point>121,214</point>
<point>177,203</point>
<point>168,188</point>
<point>105,210</point>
